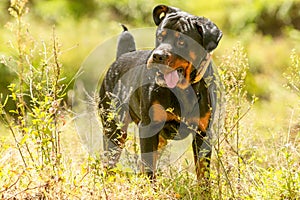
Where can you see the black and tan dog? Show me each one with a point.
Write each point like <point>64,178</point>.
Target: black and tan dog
<point>164,90</point>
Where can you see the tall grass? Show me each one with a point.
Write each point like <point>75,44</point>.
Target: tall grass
<point>37,94</point>
<point>242,167</point>
<point>230,163</point>
<point>292,74</point>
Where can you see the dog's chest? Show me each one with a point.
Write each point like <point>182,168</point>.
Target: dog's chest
<point>182,103</point>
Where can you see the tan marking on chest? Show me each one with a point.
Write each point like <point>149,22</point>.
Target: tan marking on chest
<point>202,122</point>
<point>159,114</point>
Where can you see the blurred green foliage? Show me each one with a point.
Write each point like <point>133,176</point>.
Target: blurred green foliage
<point>234,16</point>
<point>268,29</point>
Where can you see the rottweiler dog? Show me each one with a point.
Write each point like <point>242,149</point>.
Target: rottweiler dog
<point>168,91</point>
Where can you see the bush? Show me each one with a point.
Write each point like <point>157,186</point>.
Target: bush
<point>37,95</point>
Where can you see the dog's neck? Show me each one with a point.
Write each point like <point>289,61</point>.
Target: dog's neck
<point>202,68</point>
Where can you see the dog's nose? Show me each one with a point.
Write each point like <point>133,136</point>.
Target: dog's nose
<point>160,56</point>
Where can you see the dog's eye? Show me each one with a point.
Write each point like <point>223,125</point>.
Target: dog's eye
<point>180,70</point>
<point>180,42</point>
<point>159,38</point>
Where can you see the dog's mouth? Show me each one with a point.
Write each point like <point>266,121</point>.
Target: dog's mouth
<point>169,78</point>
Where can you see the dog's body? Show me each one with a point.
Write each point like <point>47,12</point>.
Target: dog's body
<point>163,90</point>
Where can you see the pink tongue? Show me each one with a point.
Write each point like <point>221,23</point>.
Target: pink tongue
<point>171,79</point>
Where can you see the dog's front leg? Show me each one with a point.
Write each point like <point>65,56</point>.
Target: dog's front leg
<point>202,155</point>
<point>149,143</point>
<point>149,146</point>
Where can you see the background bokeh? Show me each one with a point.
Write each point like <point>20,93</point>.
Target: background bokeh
<point>268,30</point>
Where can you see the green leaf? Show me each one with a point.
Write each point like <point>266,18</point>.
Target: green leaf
<point>24,139</point>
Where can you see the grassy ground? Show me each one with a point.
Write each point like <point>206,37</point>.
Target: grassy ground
<point>266,166</point>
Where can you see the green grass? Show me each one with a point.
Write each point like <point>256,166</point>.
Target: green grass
<point>268,167</point>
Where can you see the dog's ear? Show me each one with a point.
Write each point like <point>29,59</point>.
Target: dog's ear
<point>210,33</point>
<point>160,12</point>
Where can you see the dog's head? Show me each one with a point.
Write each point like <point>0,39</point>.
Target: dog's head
<point>183,46</point>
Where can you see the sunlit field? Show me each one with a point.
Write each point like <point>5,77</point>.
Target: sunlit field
<point>43,45</point>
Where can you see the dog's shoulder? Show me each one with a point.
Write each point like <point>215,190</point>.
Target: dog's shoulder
<point>135,60</point>
<point>128,67</point>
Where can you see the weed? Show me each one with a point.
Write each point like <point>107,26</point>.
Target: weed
<point>36,121</point>
<point>233,71</point>
<point>293,73</point>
